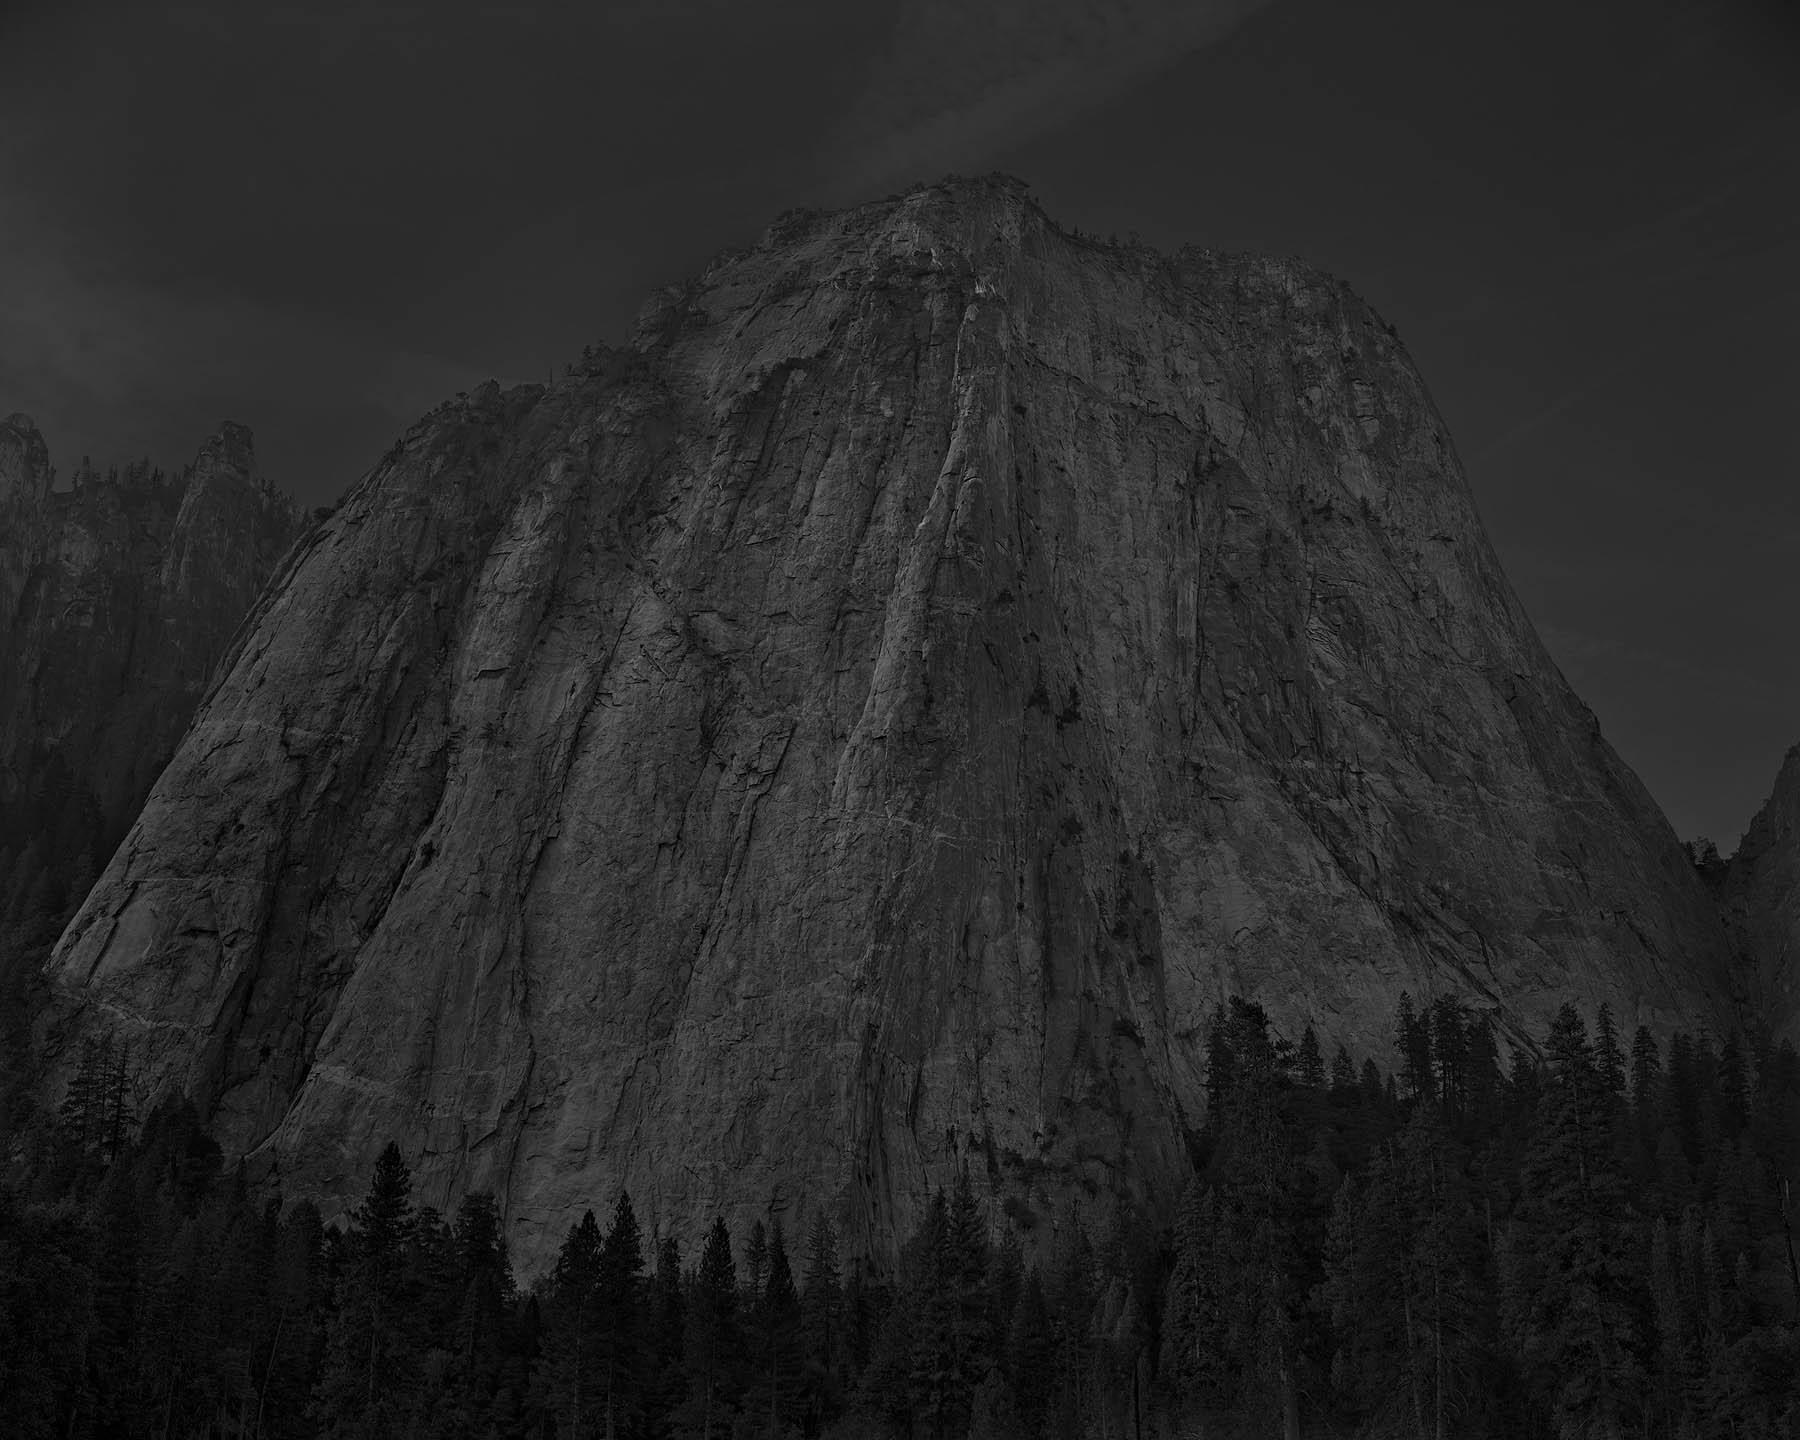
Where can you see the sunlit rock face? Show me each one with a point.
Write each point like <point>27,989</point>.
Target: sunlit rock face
<point>118,595</point>
<point>1759,893</point>
<point>863,726</point>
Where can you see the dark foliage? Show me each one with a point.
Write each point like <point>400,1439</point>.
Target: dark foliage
<point>1590,1243</point>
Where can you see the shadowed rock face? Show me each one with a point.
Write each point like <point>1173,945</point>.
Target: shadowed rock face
<point>117,597</point>
<point>1760,897</point>
<point>868,722</point>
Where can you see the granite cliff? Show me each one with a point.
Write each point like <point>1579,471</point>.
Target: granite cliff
<point>865,723</point>
<point>118,595</point>
<point>1759,894</point>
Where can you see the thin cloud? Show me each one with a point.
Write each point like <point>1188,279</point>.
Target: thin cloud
<point>959,83</point>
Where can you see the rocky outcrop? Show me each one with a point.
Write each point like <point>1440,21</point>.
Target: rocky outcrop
<point>864,725</point>
<point>1759,894</point>
<point>117,597</point>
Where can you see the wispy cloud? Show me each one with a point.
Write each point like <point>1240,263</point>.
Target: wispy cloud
<point>961,82</point>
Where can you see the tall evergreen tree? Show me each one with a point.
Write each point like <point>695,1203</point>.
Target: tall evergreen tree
<point>668,1312</point>
<point>1578,1319</point>
<point>1029,1354</point>
<point>821,1326</point>
<point>571,1375</point>
<point>714,1340</point>
<point>1646,1078</point>
<point>1412,1041</point>
<point>1609,1063</point>
<point>372,1349</point>
<point>1193,1365</point>
<point>1309,1064</point>
<point>619,1321</point>
<point>778,1365</point>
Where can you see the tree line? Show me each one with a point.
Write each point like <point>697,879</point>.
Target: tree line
<point>1589,1240</point>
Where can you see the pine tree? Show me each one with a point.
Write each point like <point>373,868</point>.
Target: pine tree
<point>1029,1354</point>
<point>668,1308</point>
<point>485,1292</point>
<point>1309,1064</point>
<point>1343,1075</point>
<point>1579,1322</point>
<point>618,1319</point>
<point>1218,1066</point>
<point>1374,1093</point>
<point>821,1326</point>
<point>778,1360</point>
<point>714,1342</point>
<point>1412,1040</point>
<point>1646,1075</point>
<point>1361,1265</point>
<point>1609,1064</point>
<point>1007,1280</point>
<point>1681,1093</point>
<point>928,1304</point>
<point>1733,1088</point>
<point>571,1378</point>
<point>1193,1364</point>
<point>1072,1304</point>
<point>1442,1278</point>
<point>372,1352</point>
<point>971,1351</point>
<point>756,1265</point>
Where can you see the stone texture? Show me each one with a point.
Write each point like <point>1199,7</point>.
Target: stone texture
<point>865,724</point>
<point>1759,894</point>
<point>117,597</point>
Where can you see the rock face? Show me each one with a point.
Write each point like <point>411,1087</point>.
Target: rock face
<point>117,598</point>
<point>866,724</point>
<point>1760,897</point>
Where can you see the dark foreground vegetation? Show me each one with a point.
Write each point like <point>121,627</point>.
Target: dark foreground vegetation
<point>1595,1243</point>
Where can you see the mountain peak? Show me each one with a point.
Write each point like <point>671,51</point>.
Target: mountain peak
<point>869,733</point>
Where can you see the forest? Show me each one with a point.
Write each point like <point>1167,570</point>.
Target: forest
<point>1588,1240</point>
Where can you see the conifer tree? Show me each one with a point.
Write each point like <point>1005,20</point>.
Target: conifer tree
<point>1579,1316</point>
<point>1194,1334</point>
<point>1309,1064</point>
<point>1361,1266</point>
<point>1609,1063</point>
<point>756,1265</point>
<point>1733,1088</point>
<point>713,1338</point>
<point>1412,1040</point>
<point>966,1274</point>
<point>1646,1080</point>
<point>484,1294</point>
<point>779,1370</point>
<point>1029,1354</point>
<point>1072,1304</point>
<point>1007,1280</point>
<point>1374,1092</point>
<point>618,1319</point>
<point>1442,1279</point>
<point>668,1308</point>
<point>571,1376</point>
<point>372,1350</point>
<point>1681,1093</point>
<point>1446,1022</point>
<point>821,1325</point>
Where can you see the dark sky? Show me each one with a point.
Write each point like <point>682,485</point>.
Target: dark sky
<point>1583,216</point>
